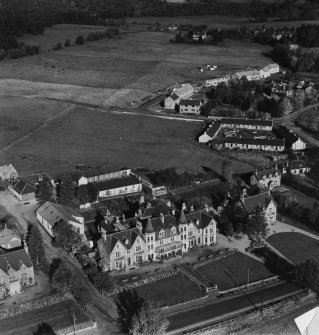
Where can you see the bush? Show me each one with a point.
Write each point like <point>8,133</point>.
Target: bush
<point>67,42</point>
<point>79,40</point>
<point>57,46</point>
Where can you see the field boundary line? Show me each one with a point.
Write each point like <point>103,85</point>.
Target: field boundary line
<point>43,125</point>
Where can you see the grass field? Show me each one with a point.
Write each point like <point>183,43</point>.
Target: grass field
<point>232,271</point>
<point>169,291</point>
<point>114,140</point>
<point>295,246</point>
<point>58,316</point>
<point>116,72</point>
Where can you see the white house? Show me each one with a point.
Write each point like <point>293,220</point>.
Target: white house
<point>8,172</point>
<point>216,81</point>
<point>16,271</point>
<point>50,213</point>
<point>248,143</point>
<point>263,199</point>
<point>298,167</point>
<point>299,145</point>
<point>187,106</point>
<point>183,92</point>
<point>119,186</point>
<point>9,239</point>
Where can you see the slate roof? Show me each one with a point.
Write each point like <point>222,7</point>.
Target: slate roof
<point>14,259</point>
<point>34,178</point>
<point>263,199</point>
<point>189,102</point>
<point>23,187</point>
<point>126,237</point>
<point>116,183</point>
<point>213,129</point>
<point>254,122</point>
<point>267,172</point>
<point>155,210</point>
<point>298,165</point>
<point>255,141</point>
<point>203,217</point>
<point>6,235</point>
<point>53,213</point>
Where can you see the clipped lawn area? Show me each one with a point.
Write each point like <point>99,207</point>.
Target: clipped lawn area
<point>58,316</point>
<point>296,247</point>
<point>170,291</point>
<point>232,271</point>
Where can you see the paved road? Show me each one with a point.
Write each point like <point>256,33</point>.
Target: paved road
<point>101,307</point>
<point>220,310</point>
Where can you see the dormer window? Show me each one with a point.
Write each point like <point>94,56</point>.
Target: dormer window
<point>173,230</point>
<point>161,234</point>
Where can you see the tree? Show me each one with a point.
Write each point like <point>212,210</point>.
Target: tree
<point>36,248</point>
<point>127,304</point>
<point>227,171</point>
<point>104,282</point>
<point>44,329</point>
<point>63,278</point>
<point>257,227</point>
<point>66,237</point>
<point>66,190</point>
<point>45,190</point>
<point>67,42</point>
<point>79,40</point>
<point>226,227</point>
<point>149,321</point>
<point>307,274</point>
<point>286,106</point>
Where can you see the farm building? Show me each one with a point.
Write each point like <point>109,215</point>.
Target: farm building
<point>148,186</point>
<point>263,199</point>
<point>16,271</point>
<point>256,124</point>
<point>9,239</point>
<point>255,144</point>
<point>292,141</point>
<point>23,191</point>
<point>50,213</point>
<point>8,172</point>
<point>210,133</point>
<point>187,106</point>
<point>93,176</point>
<point>118,186</point>
<point>216,81</point>
<point>184,92</point>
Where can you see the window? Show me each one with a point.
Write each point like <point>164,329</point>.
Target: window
<point>161,234</point>
<point>161,242</point>
<point>211,231</point>
<point>148,239</point>
<point>152,238</point>
<point>148,247</point>
<point>190,233</point>
<point>117,254</point>
<point>172,239</point>
<point>138,248</point>
<point>128,251</point>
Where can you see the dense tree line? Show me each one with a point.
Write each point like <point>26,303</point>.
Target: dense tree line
<point>169,177</point>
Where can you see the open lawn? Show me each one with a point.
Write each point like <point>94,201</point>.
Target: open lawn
<point>170,291</point>
<point>11,129</point>
<point>232,271</point>
<point>296,247</point>
<point>57,316</point>
<point>115,140</point>
<point>116,72</point>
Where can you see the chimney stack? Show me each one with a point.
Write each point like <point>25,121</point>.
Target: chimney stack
<point>183,206</point>
<point>142,200</point>
<point>162,217</point>
<point>206,208</point>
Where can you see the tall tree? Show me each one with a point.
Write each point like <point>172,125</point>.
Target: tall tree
<point>45,191</point>
<point>149,321</point>
<point>36,247</point>
<point>258,226</point>
<point>66,190</point>
<point>66,236</point>
<point>128,303</point>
